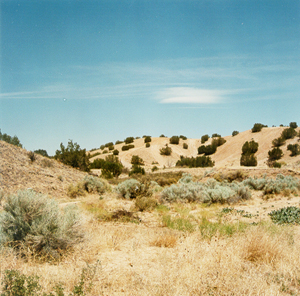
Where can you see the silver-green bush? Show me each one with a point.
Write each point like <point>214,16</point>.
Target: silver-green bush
<point>36,222</point>
<point>95,185</point>
<point>129,188</point>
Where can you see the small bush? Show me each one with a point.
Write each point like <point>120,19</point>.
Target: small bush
<point>207,150</point>
<point>36,222</point>
<point>162,136</point>
<point>145,203</point>
<point>147,145</point>
<point>41,152</point>
<point>174,140</point>
<point>294,148</point>
<point>200,161</point>
<point>166,151</point>
<point>219,141</point>
<point>275,154</point>
<point>293,124</point>
<point>130,188</point>
<point>118,142</point>
<point>250,147</point>
<point>74,191</point>
<point>183,137</point>
<point>136,160</point>
<point>97,163</point>
<point>116,152</point>
<point>155,168</point>
<point>127,147</point>
<point>112,167</point>
<point>105,151</point>
<point>185,146</point>
<point>95,185</point>
<point>109,144</point>
<point>129,140</point>
<point>278,142</point>
<point>248,160</point>
<point>235,133</point>
<point>31,156</point>
<point>289,133</point>
<point>288,215</point>
<point>110,148</point>
<point>147,139</point>
<point>258,127</point>
<point>204,139</point>
<point>215,135</point>
<point>136,169</point>
<point>11,140</point>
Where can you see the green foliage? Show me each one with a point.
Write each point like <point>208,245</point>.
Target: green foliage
<point>112,167</point>
<point>185,146</point>
<point>154,169</point>
<point>102,147</point>
<point>73,156</point>
<point>41,152</point>
<point>130,188</point>
<point>136,169</point>
<point>31,156</point>
<point>276,164</point>
<point>145,203</point>
<point>293,124</point>
<point>147,139</point>
<point>97,163</point>
<point>278,142</point>
<point>127,147</point>
<point>166,150</point>
<point>215,135</point>
<point>110,148</point>
<point>275,154</point>
<point>147,145</point>
<point>258,127</point>
<point>178,223</point>
<point>174,140</point>
<point>288,215</point>
<point>116,152</point>
<point>235,133</point>
<point>209,192</point>
<point>250,147</point>
<point>129,140</point>
<point>11,140</point>
<point>94,184</point>
<point>289,133</point>
<point>36,222</point>
<point>248,160</point>
<point>183,137</point>
<point>294,148</point>
<point>136,160</point>
<point>118,142</point>
<point>219,141</point>
<point>204,139</point>
<point>200,161</point>
<point>162,136</point>
<point>207,150</point>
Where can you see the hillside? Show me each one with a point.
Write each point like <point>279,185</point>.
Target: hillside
<point>43,175</point>
<point>226,156</point>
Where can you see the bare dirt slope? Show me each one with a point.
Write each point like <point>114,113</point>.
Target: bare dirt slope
<point>227,155</point>
<point>43,175</point>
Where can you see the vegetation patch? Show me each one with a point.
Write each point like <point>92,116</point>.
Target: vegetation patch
<point>288,215</point>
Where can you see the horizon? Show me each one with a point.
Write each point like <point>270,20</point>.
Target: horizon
<point>100,71</point>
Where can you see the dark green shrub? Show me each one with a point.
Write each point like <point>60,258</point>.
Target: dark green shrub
<point>111,148</point>
<point>204,139</point>
<point>278,142</point>
<point>215,135</point>
<point>248,160</point>
<point>136,169</point>
<point>112,167</point>
<point>36,223</point>
<point>289,133</point>
<point>155,168</point>
<point>97,163</point>
<point>219,141</point>
<point>136,160</point>
<point>235,133</point>
<point>116,152</point>
<point>258,127</point>
<point>127,147</point>
<point>147,145</point>
<point>162,136</point>
<point>31,156</point>
<point>118,142</point>
<point>250,147</point>
<point>294,148</point>
<point>72,155</point>
<point>276,164</point>
<point>147,139</point>
<point>200,161</point>
<point>293,124</point>
<point>102,147</point>
<point>11,140</point>
<point>129,140</point>
<point>166,150</point>
<point>174,140</point>
<point>207,150</point>
<point>109,144</point>
<point>185,146</point>
<point>288,215</point>
<point>105,151</point>
<point>41,152</point>
<point>275,154</point>
<point>183,137</point>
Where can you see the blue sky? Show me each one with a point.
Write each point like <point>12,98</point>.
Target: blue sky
<point>96,71</point>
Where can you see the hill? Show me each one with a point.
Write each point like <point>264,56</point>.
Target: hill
<point>44,175</point>
<point>227,156</point>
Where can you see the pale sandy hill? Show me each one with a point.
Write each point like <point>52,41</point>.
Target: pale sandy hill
<point>227,155</point>
<point>44,175</point>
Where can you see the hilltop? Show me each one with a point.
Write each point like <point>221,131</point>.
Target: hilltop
<point>227,156</point>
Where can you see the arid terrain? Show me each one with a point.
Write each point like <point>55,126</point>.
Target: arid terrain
<point>170,248</point>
